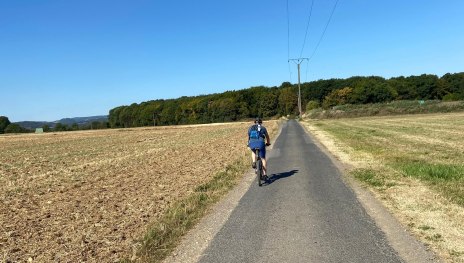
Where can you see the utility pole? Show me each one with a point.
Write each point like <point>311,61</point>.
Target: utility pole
<point>298,61</point>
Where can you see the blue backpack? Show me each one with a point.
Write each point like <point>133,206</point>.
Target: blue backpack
<point>255,133</point>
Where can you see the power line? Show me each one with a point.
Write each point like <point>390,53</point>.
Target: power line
<point>307,27</point>
<point>288,33</point>
<point>288,44</point>
<point>299,60</point>
<point>307,68</point>
<point>325,29</point>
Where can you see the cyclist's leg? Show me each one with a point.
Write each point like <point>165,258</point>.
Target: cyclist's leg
<point>264,166</point>
<point>262,154</point>
<point>252,146</point>
<point>253,159</point>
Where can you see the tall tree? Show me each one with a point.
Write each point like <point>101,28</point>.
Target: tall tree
<point>268,104</point>
<point>114,117</point>
<point>46,128</point>
<point>15,128</point>
<point>60,127</point>
<point>337,97</point>
<point>455,85</point>
<point>425,86</point>
<point>372,90</point>
<point>4,122</point>
<point>288,101</point>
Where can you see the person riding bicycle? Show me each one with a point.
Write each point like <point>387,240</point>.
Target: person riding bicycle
<point>257,134</point>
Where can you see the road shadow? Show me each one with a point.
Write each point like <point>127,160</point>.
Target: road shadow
<point>278,176</point>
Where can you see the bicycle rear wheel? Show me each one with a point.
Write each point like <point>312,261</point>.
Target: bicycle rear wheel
<point>259,172</point>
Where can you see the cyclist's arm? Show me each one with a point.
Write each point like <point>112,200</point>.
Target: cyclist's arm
<point>268,140</point>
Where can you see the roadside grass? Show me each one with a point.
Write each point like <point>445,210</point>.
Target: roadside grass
<point>368,176</point>
<point>413,162</point>
<point>412,151</point>
<point>447,179</point>
<point>164,234</point>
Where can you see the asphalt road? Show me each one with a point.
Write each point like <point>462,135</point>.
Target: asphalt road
<point>305,214</point>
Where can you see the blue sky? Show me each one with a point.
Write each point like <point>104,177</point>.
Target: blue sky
<point>81,58</point>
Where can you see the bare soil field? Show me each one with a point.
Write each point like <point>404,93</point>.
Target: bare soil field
<point>414,164</point>
<point>88,196</point>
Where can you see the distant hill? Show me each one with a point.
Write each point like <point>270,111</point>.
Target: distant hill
<point>83,120</point>
<point>67,121</point>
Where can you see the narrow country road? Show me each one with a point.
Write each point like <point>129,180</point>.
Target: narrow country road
<point>306,213</point>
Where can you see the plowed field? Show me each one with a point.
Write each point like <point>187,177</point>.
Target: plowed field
<point>88,196</point>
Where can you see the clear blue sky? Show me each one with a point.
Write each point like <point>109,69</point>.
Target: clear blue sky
<point>78,58</point>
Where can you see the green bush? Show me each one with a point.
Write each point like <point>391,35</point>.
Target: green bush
<point>15,128</point>
<point>314,104</point>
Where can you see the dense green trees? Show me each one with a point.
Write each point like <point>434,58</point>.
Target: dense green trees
<point>15,128</point>
<point>267,102</point>
<point>454,86</point>
<point>224,107</point>
<point>60,127</point>
<point>4,122</point>
<point>7,127</point>
<point>280,101</point>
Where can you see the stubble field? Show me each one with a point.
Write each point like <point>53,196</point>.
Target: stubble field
<point>414,164</point>
<point>89,196</point>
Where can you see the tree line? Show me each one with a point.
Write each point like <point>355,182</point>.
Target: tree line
<point>268,102</point>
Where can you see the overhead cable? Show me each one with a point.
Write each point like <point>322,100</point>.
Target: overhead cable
<point>288,43</point>
<point>307,27</point>
<point>325,29</point>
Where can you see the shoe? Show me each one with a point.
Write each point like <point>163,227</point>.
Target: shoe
<point>253,165</point>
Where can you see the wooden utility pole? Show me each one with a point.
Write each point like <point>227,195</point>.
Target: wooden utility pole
<point>298,61</point>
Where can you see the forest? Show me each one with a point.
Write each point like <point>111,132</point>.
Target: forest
<point>269,102</point>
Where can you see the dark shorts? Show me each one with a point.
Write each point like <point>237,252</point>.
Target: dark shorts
<point>258,144</point>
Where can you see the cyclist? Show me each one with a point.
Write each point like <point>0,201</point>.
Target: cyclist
<point>257,134</point>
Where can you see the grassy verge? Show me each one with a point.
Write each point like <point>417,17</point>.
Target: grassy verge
<point>164,234</point>
<point>415,146</point>
<point>385,109</point>
<point>447,179</point>
<point>413,163</point>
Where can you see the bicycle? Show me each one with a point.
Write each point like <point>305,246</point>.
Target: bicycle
<point>259,167</point>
